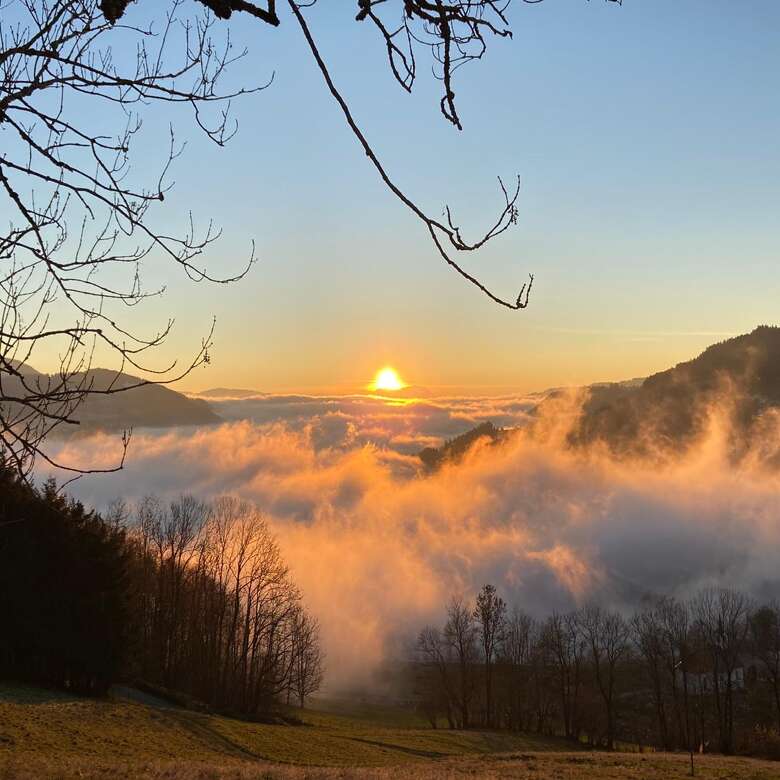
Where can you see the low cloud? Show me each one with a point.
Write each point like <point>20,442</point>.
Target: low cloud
<point>405,425</point>
<point>377,546</point>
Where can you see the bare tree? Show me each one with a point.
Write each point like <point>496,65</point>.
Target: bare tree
<point>542,688</point>
<point>306,656</point>
<point>490,617</point>
<point>460,634</point>
<point>219,616</point>
<point>516,655</point>
<point>722,616</point>
<point>81,222</point>
<point>650,640</point>
<point>563,638</point>
<point>81,225</point>
<point>607,635</point>
<point>117,513</point>
<point>679,649</point>
<point>708,666</point>
<point>453,33</point>
<point>765,645</point>
<point>433,653</point>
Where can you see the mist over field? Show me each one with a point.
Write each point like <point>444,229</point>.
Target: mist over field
<point>377,545</point>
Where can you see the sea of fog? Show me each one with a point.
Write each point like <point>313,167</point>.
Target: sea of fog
<point>377,545</point>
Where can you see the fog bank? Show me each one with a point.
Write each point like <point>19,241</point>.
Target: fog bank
<point>377,546</point>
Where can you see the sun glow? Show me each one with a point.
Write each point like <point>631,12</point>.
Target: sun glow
<point>387,379</point>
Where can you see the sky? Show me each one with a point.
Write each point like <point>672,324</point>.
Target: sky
<point>645,136</point>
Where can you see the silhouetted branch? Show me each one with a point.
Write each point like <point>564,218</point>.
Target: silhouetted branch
<point>436,228</point>
<point>80,228</point>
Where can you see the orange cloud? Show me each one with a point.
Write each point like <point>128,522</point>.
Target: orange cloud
<point>377,547</point>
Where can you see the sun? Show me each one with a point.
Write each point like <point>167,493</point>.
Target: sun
<point>387,379</point>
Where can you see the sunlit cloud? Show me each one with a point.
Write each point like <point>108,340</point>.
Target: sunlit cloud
<point>378,546</point>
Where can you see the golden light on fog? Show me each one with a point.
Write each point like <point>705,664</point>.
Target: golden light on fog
<point>387,379</point>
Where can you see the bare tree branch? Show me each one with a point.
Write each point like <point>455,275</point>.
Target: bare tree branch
<point>80,227</point>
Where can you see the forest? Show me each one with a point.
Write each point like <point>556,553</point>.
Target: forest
<point>188,599</point>
<point>701,674</point>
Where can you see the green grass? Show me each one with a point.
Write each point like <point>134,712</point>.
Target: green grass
<point>45,734</point>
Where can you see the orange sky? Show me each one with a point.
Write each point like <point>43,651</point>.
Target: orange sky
<point>546,360</point>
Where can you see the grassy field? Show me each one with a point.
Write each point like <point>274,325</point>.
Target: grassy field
<point>44,734</point>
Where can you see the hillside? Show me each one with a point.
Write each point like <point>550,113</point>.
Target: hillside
<point>154,406</point>
<point>53,730</point>
<point>667,411</point>
<point>45,734</point>
<point>454,449</point>
<point>664,414</point>
<point>145,406</point>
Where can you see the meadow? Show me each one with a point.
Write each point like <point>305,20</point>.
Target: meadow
<point>51,734</point>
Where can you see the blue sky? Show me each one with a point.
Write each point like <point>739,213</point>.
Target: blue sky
<point>646,139</point>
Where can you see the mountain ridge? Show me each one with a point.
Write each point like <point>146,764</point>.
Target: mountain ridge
<point>670,409</point>
<point>147,406</point>
<point>665,413</point>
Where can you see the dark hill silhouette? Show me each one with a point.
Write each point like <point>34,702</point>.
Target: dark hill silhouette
<point>665,413</point>
<point>154,406</point>
<point>454,449</point>
<point>668,410</point>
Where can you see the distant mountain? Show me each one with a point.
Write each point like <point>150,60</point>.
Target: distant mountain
<point>149,406</point>
<point>154,406</point>
<point>665,413</point>
<point>668,410</point>
<point>227,392</point>
<point>454,449</point>
<point>238,394</point>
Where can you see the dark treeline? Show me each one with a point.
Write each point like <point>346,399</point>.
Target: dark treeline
<point>702,674</point>
<point>189,597</point>
<point>65,598</point>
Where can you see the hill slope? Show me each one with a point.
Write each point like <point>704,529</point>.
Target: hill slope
<point>44,734</point>
<point>155,406</point>
<point>38,724</point>
<point>454,449</point>
<point>666,412</point>
<point>145,406</point>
